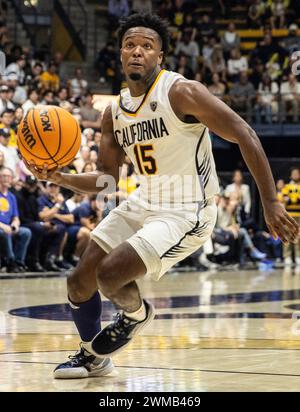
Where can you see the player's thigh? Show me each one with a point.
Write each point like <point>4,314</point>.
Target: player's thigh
<point>82,282</point>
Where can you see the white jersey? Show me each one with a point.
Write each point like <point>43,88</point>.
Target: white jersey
<point>173,158</point>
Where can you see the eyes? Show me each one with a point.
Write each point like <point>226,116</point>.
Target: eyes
<point>130,45</point>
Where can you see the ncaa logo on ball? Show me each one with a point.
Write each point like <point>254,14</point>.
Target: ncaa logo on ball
<point>45,119</point>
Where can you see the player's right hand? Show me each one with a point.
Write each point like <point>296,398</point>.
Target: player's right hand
<point>52,175</point>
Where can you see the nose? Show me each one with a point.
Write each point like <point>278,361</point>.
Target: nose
<point>137,52</point>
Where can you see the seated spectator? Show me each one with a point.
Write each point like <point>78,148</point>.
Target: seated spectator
<point>290,98</point>
<point>89,167</point>
<point>236,65</point>
<point>277,14</point>
<point>207,49</point>
<point>292,42</point>
<point>183,68</point>
<point>34,81</point>
<point>106,60</point>
<point>90,117</point>
<point>53,209</point>
<point>268,48</point>
<point>227,222</point>
<point>267,100</point>
<point>1,159</point>
<point>48,97</point>
<point>87,137</point>
<point>206,27</point>
<point>190,49</point>
<point>256,13</point>
<point>32,101</point>
<point>85,220</point>
<point>242,189</point>
<point>29,217</point>
<point>7,120</point>
<point>5,102</point>
<point>290,196</point>
<point>16,69</point>
<point>217,62</point>
<point>241,96</point>
<point>49,80</point>
<point>19,114</point>
<point>257,73</point>
<point>230,39</point>
<point>82,159</point>
<point>11,158</point>
<point>189,27</point>
<point>62,96</point>
<point>74,201</point>
<point>217,88</point>
<point>78,86</point>
<point>14,237</point>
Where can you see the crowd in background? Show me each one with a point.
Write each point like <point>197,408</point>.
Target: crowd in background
<point>259,83</point>
<point>44,227</point>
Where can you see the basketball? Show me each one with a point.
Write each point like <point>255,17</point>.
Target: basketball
<point>49,134</point>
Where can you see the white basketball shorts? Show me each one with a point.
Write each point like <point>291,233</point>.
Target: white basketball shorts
<point>160,237</point>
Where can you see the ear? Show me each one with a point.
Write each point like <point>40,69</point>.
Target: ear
<point>121,55</point>
<point>160,57</point>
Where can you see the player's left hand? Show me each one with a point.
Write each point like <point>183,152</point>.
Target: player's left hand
<point>280,223</point>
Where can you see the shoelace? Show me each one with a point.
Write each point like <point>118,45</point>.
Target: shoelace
<point>119,327</point>
<point>79,357</point>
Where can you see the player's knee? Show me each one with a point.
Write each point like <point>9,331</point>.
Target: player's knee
<point>84,232</point>
<point>78,291</point>
<point>105,278</point>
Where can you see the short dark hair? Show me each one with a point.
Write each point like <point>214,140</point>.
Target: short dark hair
<point>150,21</point>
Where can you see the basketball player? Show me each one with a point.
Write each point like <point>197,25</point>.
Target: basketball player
<point>161,122</point>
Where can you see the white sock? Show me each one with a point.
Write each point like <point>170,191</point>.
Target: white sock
<point>87,348</point>
<point>138,315</point>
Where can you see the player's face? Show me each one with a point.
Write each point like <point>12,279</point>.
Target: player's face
<point>141,52</point>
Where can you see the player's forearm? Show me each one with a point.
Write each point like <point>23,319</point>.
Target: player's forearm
<point>257,162</point>
<point>93,182</point>
<point>83,182</point>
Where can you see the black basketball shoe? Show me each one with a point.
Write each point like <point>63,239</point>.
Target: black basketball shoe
<point>118,334</point>
<point>83,365</point>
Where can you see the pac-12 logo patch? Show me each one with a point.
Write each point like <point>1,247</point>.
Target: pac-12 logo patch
<point>153,106</point>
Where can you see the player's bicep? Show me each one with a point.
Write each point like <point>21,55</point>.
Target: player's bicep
<point>111,155</point>
<point>216,115</point>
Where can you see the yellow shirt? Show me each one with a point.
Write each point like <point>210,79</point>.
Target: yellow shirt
<point>127,185</point>
<point>291,197</point>
<point>50,81</point>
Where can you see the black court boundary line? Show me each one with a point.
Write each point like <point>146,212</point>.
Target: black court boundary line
<point>173,369</point>
<point>189,348</point>
<point>144,336</point>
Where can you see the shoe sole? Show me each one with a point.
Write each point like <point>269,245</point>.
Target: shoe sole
<point>151,316</point>
<point>105,371</point>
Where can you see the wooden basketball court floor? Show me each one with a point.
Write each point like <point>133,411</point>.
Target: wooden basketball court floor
<point>214,331</point>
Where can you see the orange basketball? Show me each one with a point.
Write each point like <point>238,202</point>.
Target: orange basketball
<point>49,134</point>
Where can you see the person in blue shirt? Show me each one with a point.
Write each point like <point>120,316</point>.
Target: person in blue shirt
<point>85,220</point>
<point>53,209</point>
<point>14,238</point>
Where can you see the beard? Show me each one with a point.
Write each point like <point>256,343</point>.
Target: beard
<point>135,76</point>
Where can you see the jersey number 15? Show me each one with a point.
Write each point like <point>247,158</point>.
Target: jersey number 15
<point>146,163</point>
